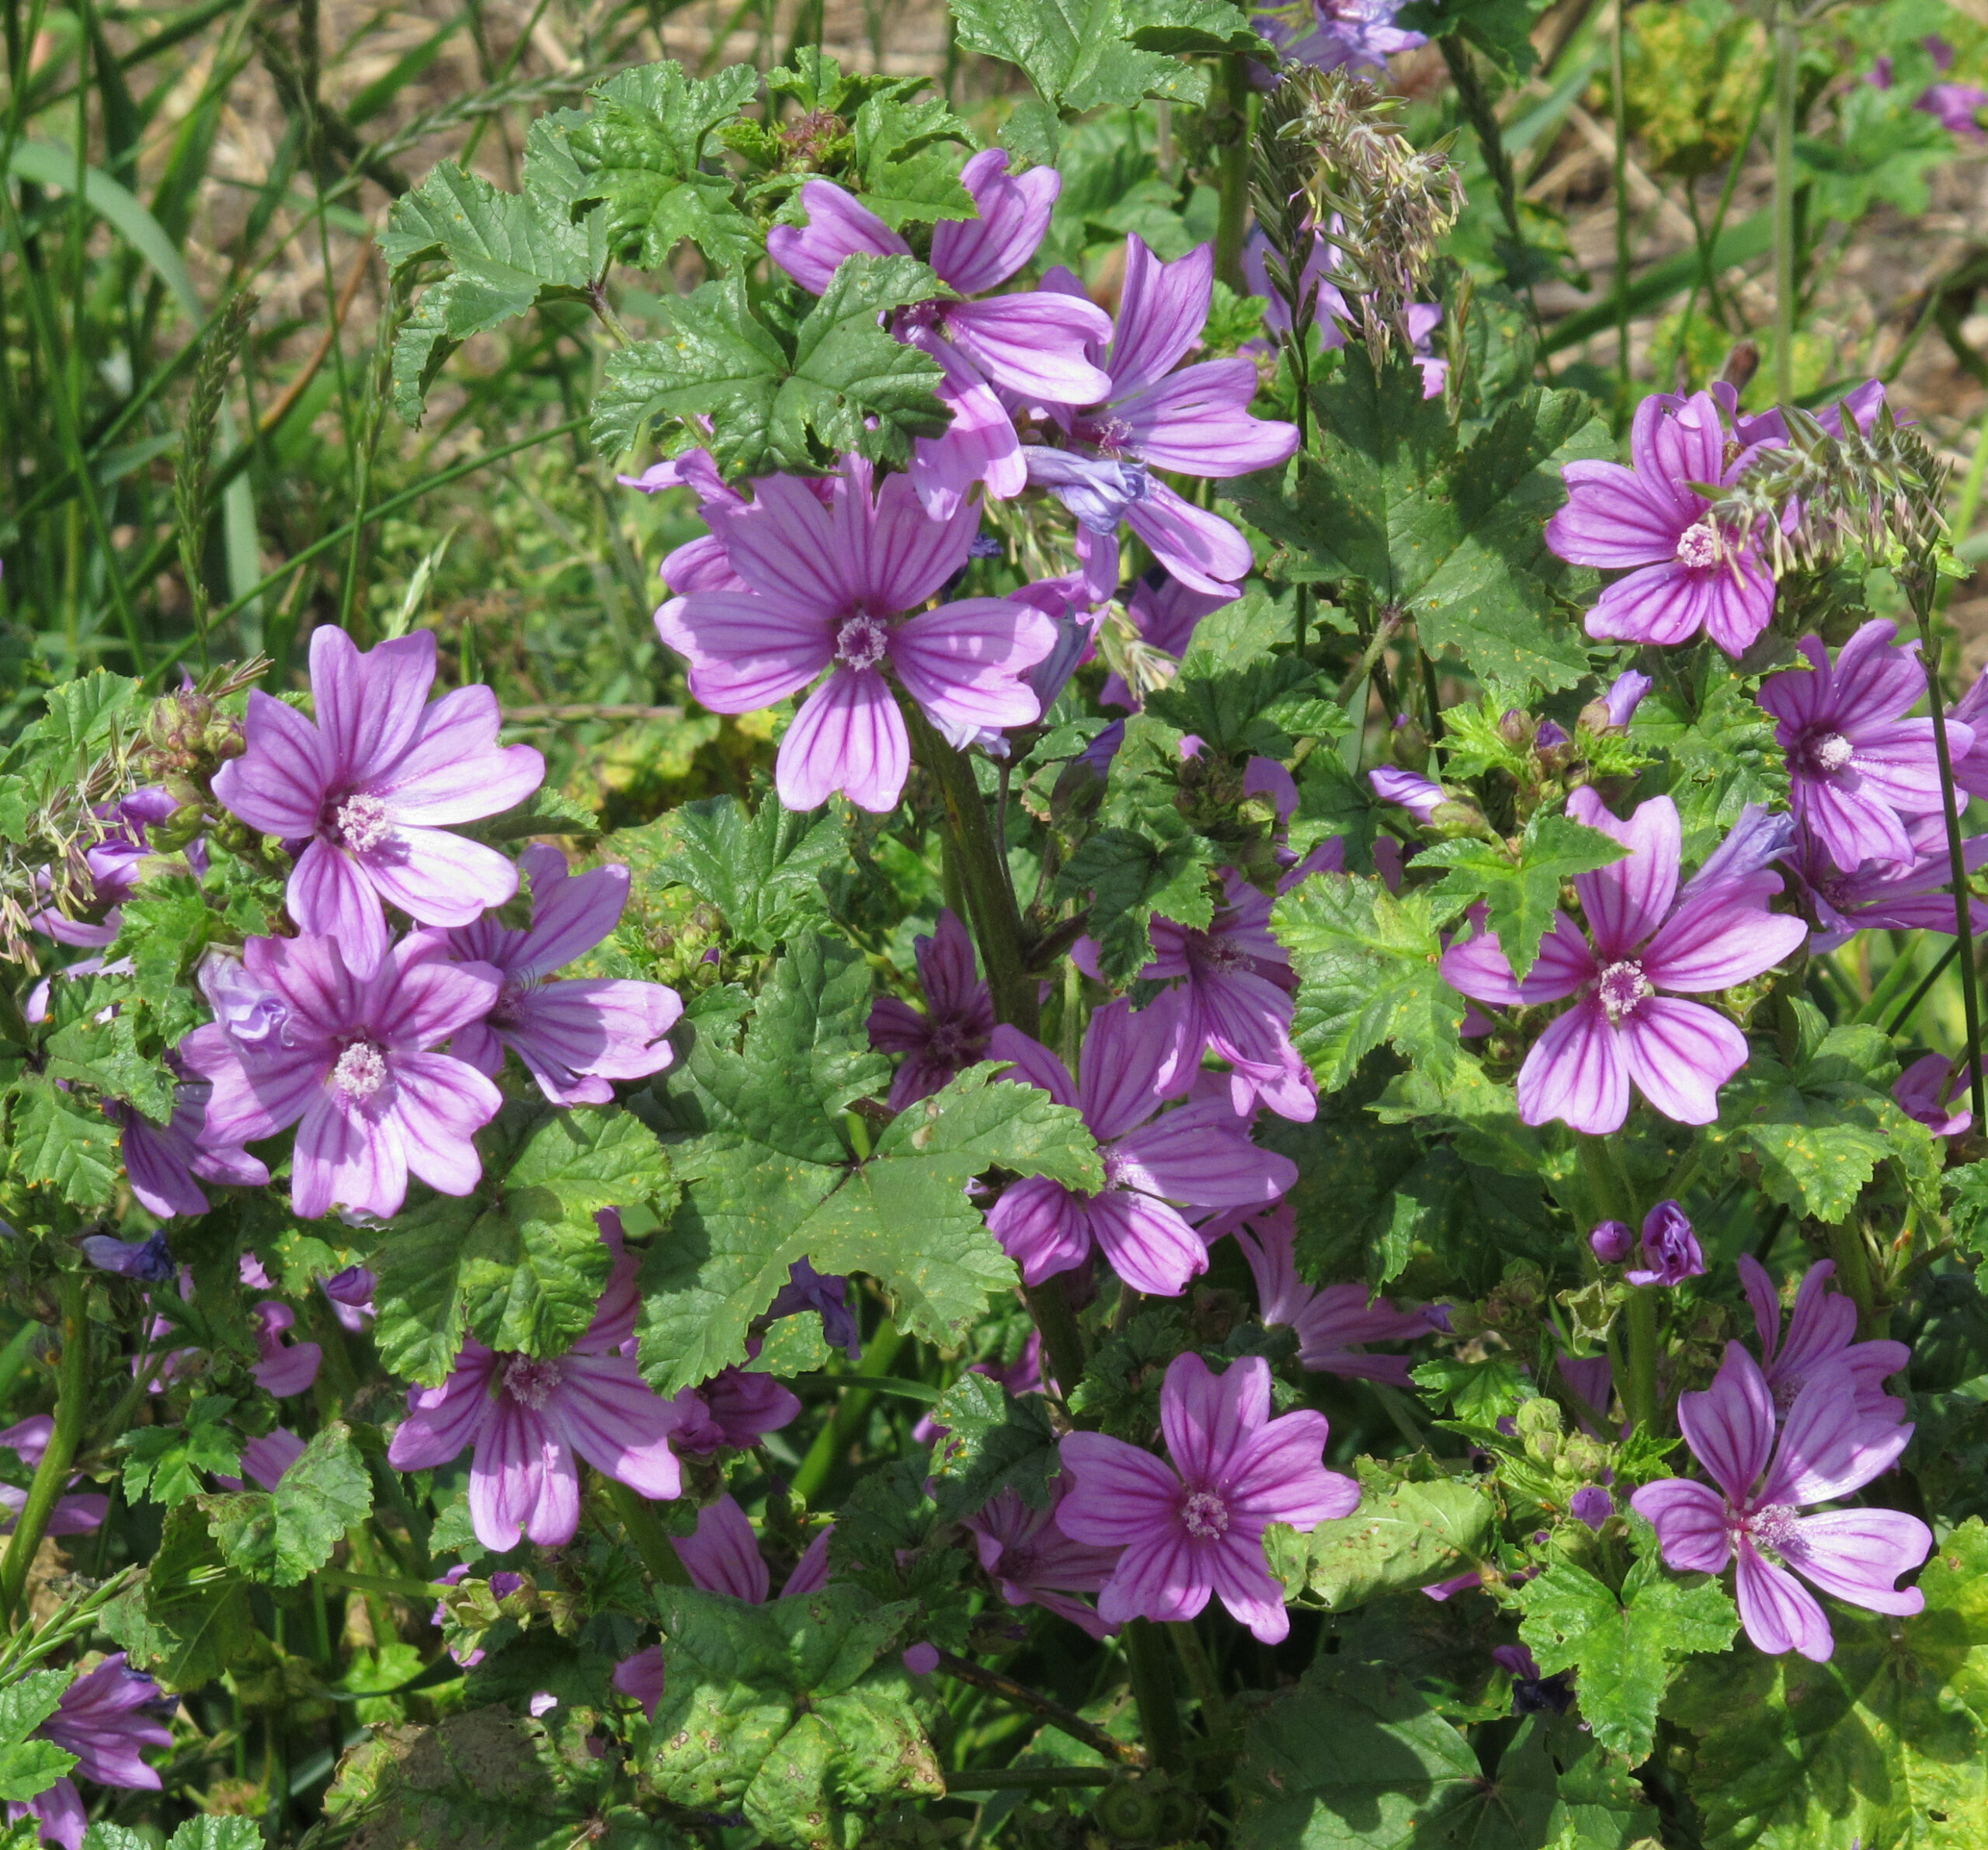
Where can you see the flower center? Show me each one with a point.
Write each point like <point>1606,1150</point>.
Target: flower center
<point>1110,434</point>
<point>1785,1391</point>
<point>1697,547</point>
<point>1215,953</point>
<point>1623,986</point>
<point>863,641</point>
<point>361,1071</point>
<point>1205,1516</point>
<point>531,1382</point>
<point>949,1041</point>
<point>1775,1526</point>
<point>515,990</point>
<point>362,822</point>
<point>1830,752</point>
<point>919,314</point>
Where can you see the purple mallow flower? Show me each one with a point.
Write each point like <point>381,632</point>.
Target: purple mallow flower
<point>1669,1248</point>
<point>115,863</point>
<point>1353,35</point>
<point>368,795</point>
<point>1625,693</point>
<point>1610,1241</point>
<point>1032,1562</point>
<point>285,1367</point>
<point>350,1294</point>
<point>1827,1449</point>
<point>1592,1505</point>
<point>162,1161</point>
<point>951,1033</point>
<point>1647,936</point>
<point>842,586</point>
<point>1897,895</point>
<point>1033,344</point>
<point>1956,107</point>
<point>806,1289</point>
<point>577,1035</point>
<point>531,1418</point>
<point>1195,421</point>
<point>149,1260</point>
<point>1231,993</point>
<point>730,1411</point>
<point>1328,1323</point>
<point>1858,767</point>
<point>1195,1528</point>
<point>28,1440</point>
<point>353,1065</point>
<point>1684,575</point>
<point>1822,1331</point>
<point>1932,1090</point>
<point>1200,1155</point>
<point>1533,1691</point>
<point>1418,795</point>
<point>105,1718</point>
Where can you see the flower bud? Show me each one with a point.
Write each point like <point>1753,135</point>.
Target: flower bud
<point>1611,1242</point>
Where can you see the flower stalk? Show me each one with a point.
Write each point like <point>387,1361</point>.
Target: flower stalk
<point>1787,40</point>
<point>51,1477</point>
<point>645,1530</point>
<point>1956,863</point>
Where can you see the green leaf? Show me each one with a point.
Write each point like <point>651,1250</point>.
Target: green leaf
<point>762,871</point>
<point>487,1780</point>
<point>1077,53</point>
<point>63,1142</point>
<point>1405,1533</point>
<point>26,1704</point>
<point>216,1834</point>
<point>1353,1755</point>
<point>106,1054</point>
<point>899,183</point>
<point>845,383</point>
<point>798,1713</point>
<point>1355,1758</point>
<point>794,1345</point>
<point>163,1463</point>
<point>1718,744</point>
<point>995,1441</point>
<point>1886,1744</point>
<point>1367,965</point>
<point>29,1767</point>
<point>1819,1133</point>
<point>1451,534</point>
<point>189,1619</point>
<point>1522,895</point>
<point>641,152</point>
<point>1502,28</point>
<point>1233,690</point>
<point>1623,1652</point>
<point>773,1179</point>
<point>1968,1215</point>
<point>545,811</point>
<point>521,1264</point>
<point>285,1536</point>
<point>324,1493</point>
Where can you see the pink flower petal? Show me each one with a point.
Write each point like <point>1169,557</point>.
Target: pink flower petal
<point>848,736</point>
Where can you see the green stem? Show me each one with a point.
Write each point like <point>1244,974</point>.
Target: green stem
<point>1603,1181</point>
<point>983,872</point>
<point>1787,72</point>
<point>1478,108</point>
<point>1853,1273</point>
<point>1065,1721</point>
<point>1024,1778</point>
<point>1956,860</point>
<point>645,1530</point>
<point>1231,124</point>
<point>1201,1678</point>
<point>1148,1661</point>
<point>1925,989</point>
<point>834,1437</point>
<point>1061,1336</point>
<point>51,1477</point>
<point>1619,99</point>
<point>1639,1317</point>
<point>397,1585</point>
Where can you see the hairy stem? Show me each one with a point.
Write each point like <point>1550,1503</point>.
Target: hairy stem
<point>983,874</point>
<point>1787,71</point>
<point>1853,1273</point>
<point>1619,99</point>
<point>51,1477</point>
<point>645,1530</point>
<point>1230,123</point>
<point>1062,1338</point>
<point>1065,1721</point>
<point>1640,1319</point>
<point>1150,1663</point>
<point>1956,858</point>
